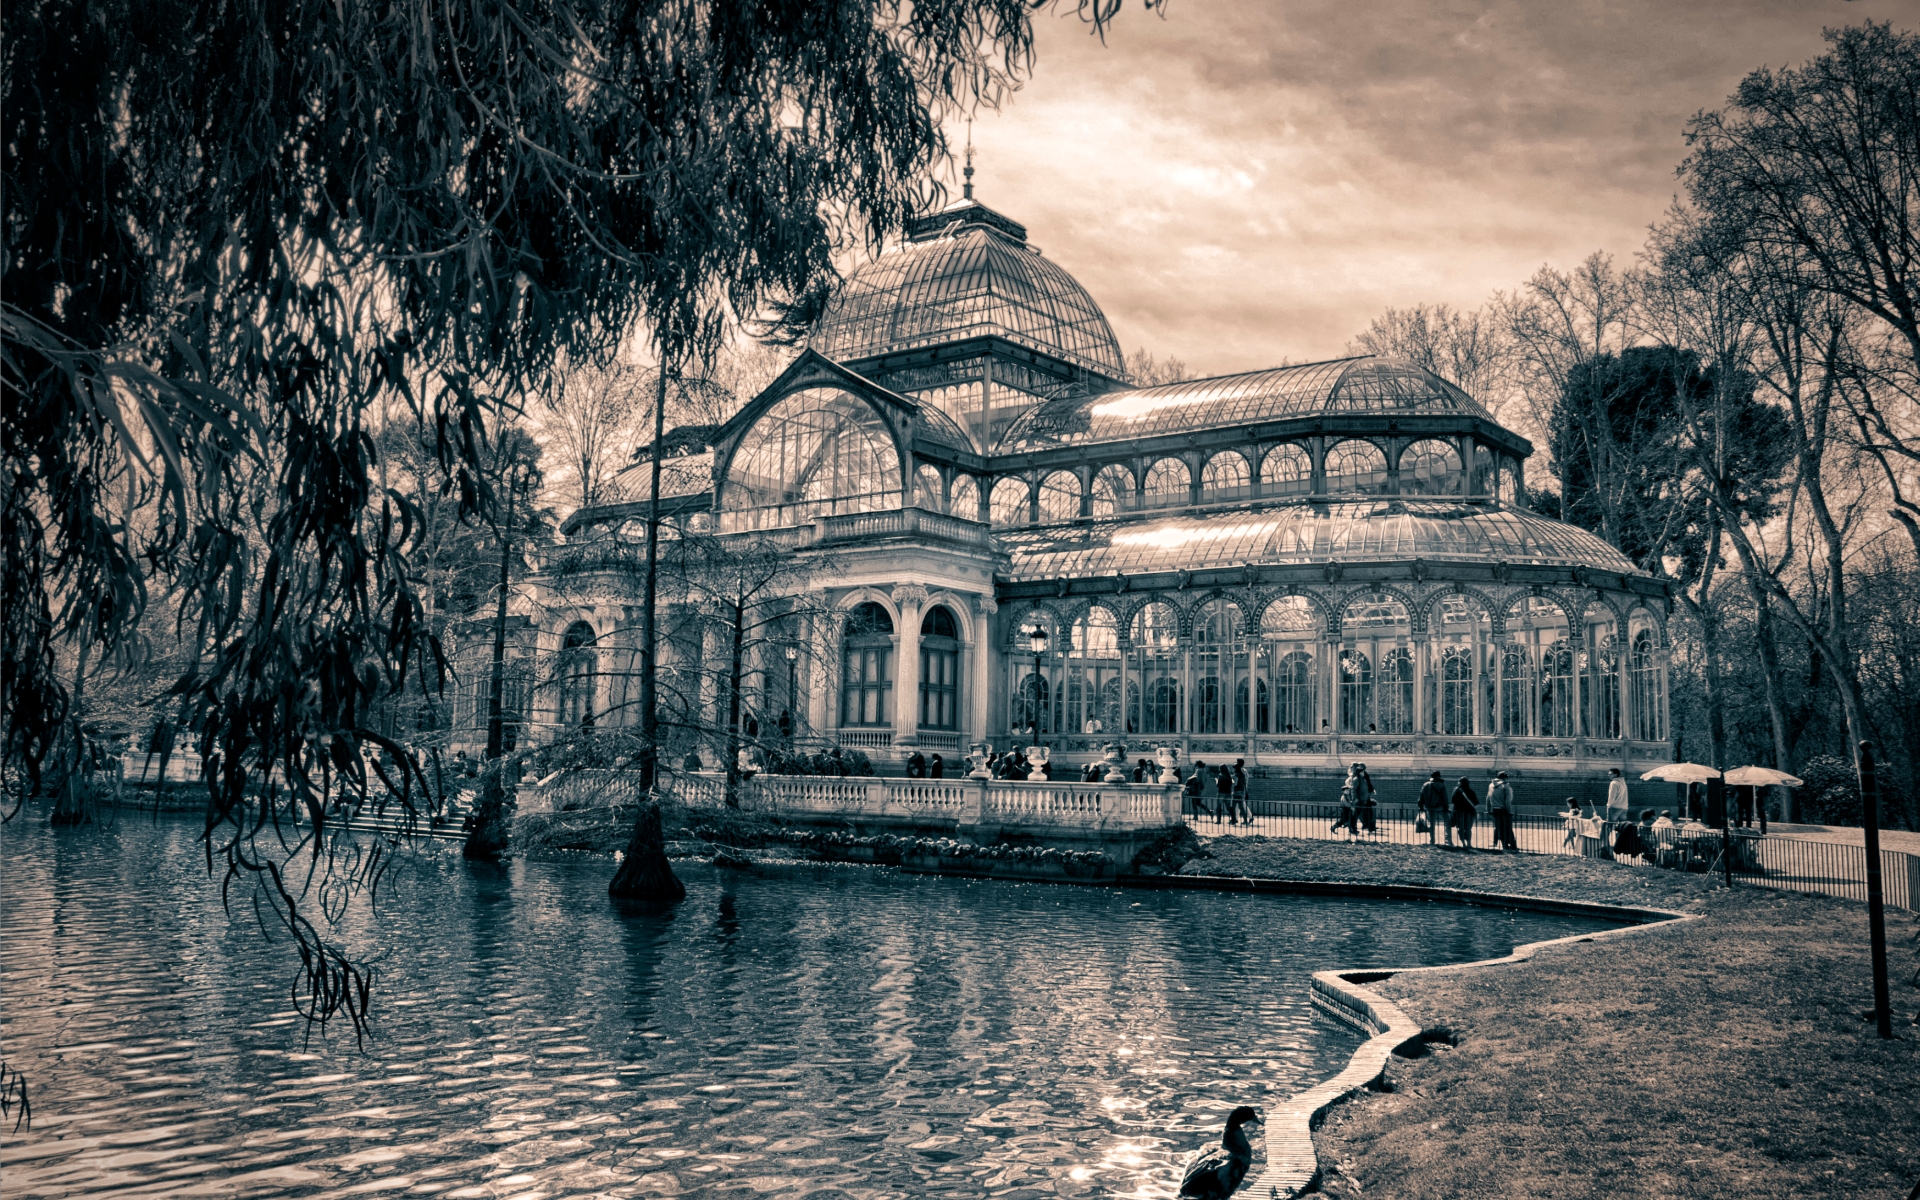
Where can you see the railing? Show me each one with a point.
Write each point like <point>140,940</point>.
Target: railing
<point>1791,863</point>
<point>938,741</point>
<point>962,802</point>
<point>865,739</point>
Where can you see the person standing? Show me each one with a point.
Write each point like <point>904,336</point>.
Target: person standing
<point>1223,785</point>
<point>1346,820</point>
<point>937,769</point>
<point>1195,787</point>
<point>1616,798</point>
<point>1433,802</point>
<point>1241,809</point>
<point>1465,805</point>
<point>1500,804</point>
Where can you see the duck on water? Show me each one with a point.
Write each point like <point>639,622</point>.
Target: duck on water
<point>1218,1171</point>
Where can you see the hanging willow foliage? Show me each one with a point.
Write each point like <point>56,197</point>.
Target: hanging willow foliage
<point>236,232</point>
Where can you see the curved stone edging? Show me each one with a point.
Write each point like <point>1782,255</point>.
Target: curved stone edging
<point>1292,1165</point>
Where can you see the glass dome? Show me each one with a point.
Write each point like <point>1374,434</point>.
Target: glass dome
<point>967,276</point>
<point>1356,385</point>
<point>1399,530</point>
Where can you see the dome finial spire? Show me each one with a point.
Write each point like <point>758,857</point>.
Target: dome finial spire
<point>966,191</point>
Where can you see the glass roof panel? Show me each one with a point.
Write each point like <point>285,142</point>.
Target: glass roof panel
<point>1434,530</point>
<point>1343,385</point>
<point>972,282</point>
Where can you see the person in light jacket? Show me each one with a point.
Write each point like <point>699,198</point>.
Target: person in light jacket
<point>1500,804</point>
<point>1617,803</point>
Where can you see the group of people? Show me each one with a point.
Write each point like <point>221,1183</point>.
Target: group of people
<point>920,767</point>
<point>1456,812</point>
<point>1230,791</point>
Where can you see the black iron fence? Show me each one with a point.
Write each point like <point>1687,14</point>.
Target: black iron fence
<point>1793,863</point>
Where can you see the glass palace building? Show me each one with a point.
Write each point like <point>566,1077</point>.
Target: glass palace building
<point>1299,566</point>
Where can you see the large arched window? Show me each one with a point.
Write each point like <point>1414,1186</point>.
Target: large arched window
<point>1649,699</point>
<point>1219,662</point>
<point>815,452</point>
<point>1461,636</point>
<point>1225,478</point>
<point>1092,674</point>
<point>1012,503</point>
<point>927,488</point>
<point>1155,707</point>
<point>1287,470</point>
<point>1289,634</point>
<point>1059,497</point>
<point>1112,491</point>
<point>939,669</point>
<point>964,498</point>
<point>577,672</point>
<point>1168,485</point>
<point>1536,681</point>
<point>1356,466</point>
<point>1376,675</point>
<point>1430,468</point>
<point>866,696</point>
<point>1599,668</point>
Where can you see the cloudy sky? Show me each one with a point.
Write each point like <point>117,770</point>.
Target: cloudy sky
<point>1246,182</point>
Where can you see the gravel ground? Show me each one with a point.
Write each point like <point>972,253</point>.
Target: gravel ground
<point>1558,877</point>
<point>1723,1057</point>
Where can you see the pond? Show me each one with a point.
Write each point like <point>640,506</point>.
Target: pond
<point>811,1031</point>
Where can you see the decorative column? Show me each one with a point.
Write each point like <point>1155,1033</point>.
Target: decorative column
<point>1183,712</point>
<point>820,666</point>
<point>1623,669</point>
<point>1123,641</point>
<point>1420,693</point>
<point>981,668</point>
<point>910,598</point>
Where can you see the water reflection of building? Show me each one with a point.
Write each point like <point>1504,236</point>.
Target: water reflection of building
<point>1295,566</point>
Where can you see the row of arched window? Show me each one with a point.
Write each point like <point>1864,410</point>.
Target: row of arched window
<point>1544,677</point>
<point>1354,466</point>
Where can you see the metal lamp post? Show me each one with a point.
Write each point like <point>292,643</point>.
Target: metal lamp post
<point>793,692</point>
<point>1037,642</point>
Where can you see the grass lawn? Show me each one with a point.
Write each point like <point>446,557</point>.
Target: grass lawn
<point>1725,1057</point>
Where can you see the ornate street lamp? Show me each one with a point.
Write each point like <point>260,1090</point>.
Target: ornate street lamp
<point>793,660</point>
<point>1037,642</point>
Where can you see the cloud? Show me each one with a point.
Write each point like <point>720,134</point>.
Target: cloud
<point>1243,184</point>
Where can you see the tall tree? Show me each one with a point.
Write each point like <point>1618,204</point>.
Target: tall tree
<point>1557,321</point>
<point>233,231</point>
<point>1472,349</point>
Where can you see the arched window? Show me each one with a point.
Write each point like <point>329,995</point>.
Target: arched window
<point>1224,478</point>
<point>1430,468</point>
<point>1393,693</point>
<point>1095,635</point>
<point>1600,673</point>
<point>1012,503</point>
<point>964,498</point>
<point>1375,627</point>
<point>867,655</point>
<point>927,490</point>
<point>1356,691</point>
<point>1059,497</point>
<point>1356,466</point>
<point>1536,682</point>
<point>1460,633</point>
<point>1092,674</point>
<point>1509,483</point>
<point>1168,485</point>
<point>1218,662</point>
<point>1294,678</point>
<point>1649,705</point>
<point>1112,491</point>
<point>1156,664</point>
<point>1030,712</point>
<point>577,673</point>
<point>815,452</point>
<point>1259,714</point>
<point>1287,470</point>
<point>939,669</point>
<point>1482,482</point>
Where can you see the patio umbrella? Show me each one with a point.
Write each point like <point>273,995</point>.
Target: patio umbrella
<point>1682,773</point>
<point>1760,777</point>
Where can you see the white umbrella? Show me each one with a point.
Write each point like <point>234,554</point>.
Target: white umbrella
<point>1761,777</point>
<point>1682,773</point>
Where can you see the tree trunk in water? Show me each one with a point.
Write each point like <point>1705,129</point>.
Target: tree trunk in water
<point>70,790</point>
<point>492,824</point>
<point>645,874</point>
<point>734,671</point>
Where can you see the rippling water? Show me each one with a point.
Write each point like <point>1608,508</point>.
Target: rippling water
<point>817,1031</point>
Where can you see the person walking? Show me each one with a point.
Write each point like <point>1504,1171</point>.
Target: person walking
<point>1347,814</point>
<point>1241,809</point>
<point>1363,798</point>
<point>1500,803</point>
<point>1223,786</point>
<point>1465,805</point>
<point>1616,798</point>
<point>1195,788</point>
<point>1433,802</point>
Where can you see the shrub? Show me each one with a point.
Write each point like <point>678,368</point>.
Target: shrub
<point>1831,791</point>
